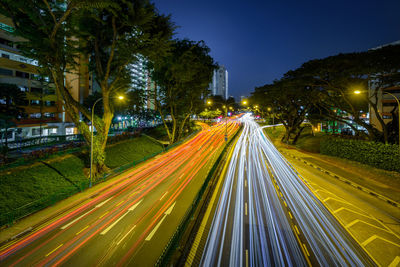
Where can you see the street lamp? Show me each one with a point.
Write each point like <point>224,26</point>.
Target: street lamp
<point>357,92</point>
<point>91,138</point>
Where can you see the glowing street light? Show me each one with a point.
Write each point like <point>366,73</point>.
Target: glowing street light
<point>357,92</point>
<point>91,139</point>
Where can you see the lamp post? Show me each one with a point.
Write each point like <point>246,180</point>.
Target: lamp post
<point>357,92</point>
<point>91,138</point>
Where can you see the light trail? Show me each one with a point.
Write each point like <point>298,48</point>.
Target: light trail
<point>285,224</point>
<point>114,212</point>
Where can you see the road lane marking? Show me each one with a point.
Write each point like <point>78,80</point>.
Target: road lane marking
<point>305,248</point>
<point>361,221</point>
<point>290,215</point>
<point>297,229</point>
<point>353,211</point>
<point>164,195</point>
<point>74,221</point>
<point>119,242</point>
<point>134,193</point>
<point>206,216</point>
<point>372,238</point>
<point>166,213</point>
<point>53,250</point>
<point>169,210</point>
<point>284,202</point>
<point>113,224</point>
<point>395,262</point>
<point>181,176</point>
<point>120,203</point>
<point>82,230</point>
<point>120,218</point>
<point>150,236</point>
<point>245,208</point>
<point>103,214</point>
<point>336,199</point>
<point>247,258</point>
<point>104,202</point>
<point>245,182</point>
<point>134,206</point>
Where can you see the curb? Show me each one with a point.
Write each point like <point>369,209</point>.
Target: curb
<point>342,179</point>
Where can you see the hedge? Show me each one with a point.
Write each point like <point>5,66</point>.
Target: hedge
<point>379,155</point>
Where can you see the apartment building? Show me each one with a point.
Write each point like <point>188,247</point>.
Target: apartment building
<point>386,100</point>
<point>44,113</point>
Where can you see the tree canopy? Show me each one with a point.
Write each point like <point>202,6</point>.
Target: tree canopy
<point>183,78</point>
<point>325,86</point>
<point>107,35</point>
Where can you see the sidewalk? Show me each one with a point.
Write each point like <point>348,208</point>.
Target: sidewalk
<point>383,182</point>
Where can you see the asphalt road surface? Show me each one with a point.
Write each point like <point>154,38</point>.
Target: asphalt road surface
<point>267,216</point>
<point>131,222</point>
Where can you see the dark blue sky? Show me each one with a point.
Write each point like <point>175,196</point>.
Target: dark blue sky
<point>258,41</point>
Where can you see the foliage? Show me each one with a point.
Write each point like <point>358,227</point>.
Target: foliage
<point>183,78</point>
<point>339,76</point>
<point>379,155</point>
<point>329,84</point>
<point>291,99</point>
<point>10,111</point>
<point>108,34</point>
<point>210,113</point>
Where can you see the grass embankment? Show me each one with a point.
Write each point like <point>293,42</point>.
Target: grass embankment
<point>25,184</point>
<point>378,180</point>
<point>307,141</point>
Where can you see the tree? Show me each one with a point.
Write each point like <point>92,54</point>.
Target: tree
<point>291,99</point>
<point>183,78</point>
<point>210,113</point>
<point>338,76</point>
<point>10,109</point>
<point>108,34</point>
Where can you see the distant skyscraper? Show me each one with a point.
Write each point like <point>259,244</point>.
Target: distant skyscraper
<point>219,84</point>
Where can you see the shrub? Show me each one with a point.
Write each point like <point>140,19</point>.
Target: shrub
<point>379,155</point>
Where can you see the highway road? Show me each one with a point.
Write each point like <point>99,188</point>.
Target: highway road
<point>267,216</point>
<point>130,222</point>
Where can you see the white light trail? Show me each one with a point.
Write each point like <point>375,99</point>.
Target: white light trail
<point>266,232</point>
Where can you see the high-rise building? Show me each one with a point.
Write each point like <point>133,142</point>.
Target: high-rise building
<point>43,110</point>
<point>219,84</point>
<point>141,80</point>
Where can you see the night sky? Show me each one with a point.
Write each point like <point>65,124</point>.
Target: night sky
<point>258,41</point>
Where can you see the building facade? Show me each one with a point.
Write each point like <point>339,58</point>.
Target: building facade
<point>141,80</point>
<point>386,104</point>
<point>219,84</point>
<point>44,112</point>
<point>386,101</point>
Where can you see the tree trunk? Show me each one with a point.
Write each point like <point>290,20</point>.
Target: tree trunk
<point>182,127</point>
<point>297,135</point>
